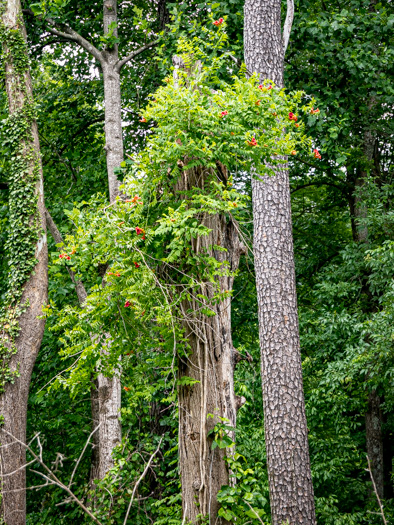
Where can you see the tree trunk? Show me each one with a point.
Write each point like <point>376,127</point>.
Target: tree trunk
<point>110,432</point>
<point>105,396</point>
<point>28,284</point>
<point>112,100</point>
<point>359,210</point>
<point>373,427</point>
<point>286,433</point>
<point>95,408</point>
<point>210,361</point>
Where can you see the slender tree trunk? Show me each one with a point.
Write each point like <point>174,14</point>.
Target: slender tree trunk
<point>112,100</point>
<point>110,432</point>
<point>359,212</point>
<point>25,186</point>
<point>95,408</point>
<point>105,396</point>
<point>210,361</point>
<point>286,433</point>
<point>373,427</point>
<point>106,399</point>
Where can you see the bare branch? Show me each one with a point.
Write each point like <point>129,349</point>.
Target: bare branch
<point>123,61</point>
<point>68,34</point>
<point>369,469</point>
<point>82,453</point>
<point>252,509</point>
<point>51,477</point>
<point>318,183</point>
<point>141,478</point>
<point>288,24</point>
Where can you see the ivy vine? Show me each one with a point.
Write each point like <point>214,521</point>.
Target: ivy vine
<point>23,176</point>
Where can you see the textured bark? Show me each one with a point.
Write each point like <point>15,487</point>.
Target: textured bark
<point>109,389</point>
<point>13,402</point>
<point>95,409</point>
<point>110,432</point>
<point>373,427</point>
<point>211,362</point>
<point>286,434</point>
<point>211,358</point>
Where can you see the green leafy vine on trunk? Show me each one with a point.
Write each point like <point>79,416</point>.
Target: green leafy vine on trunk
<point>23,173</point>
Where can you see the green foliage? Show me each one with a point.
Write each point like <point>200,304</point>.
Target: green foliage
<point>339,53</point>
<point>23,175</point>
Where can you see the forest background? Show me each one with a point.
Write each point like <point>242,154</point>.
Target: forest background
<point>341,54</point>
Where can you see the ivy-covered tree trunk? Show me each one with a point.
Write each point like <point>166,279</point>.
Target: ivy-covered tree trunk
<point>210,363</point>
<point>286,433</point>
<point>21,328</point>
<point>206,372</point>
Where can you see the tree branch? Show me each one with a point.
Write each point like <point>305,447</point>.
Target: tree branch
<point>141,477</point>
<point>79,287</point>
<point>123,61</point>
<point>51,477</point>
<point>369,469</point>
<point>318,183</point>
<point>68,34</point>
<point>288,24</point>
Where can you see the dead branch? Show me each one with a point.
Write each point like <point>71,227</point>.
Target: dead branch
<point>51,478</point>
<point>369,469</point>
<point>140,479</point>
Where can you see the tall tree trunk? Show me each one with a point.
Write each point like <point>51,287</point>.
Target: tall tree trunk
<point>286,433</point>
<point>108,394</point>
<point>211,358</point>
<point>359,212</point>
<point>210,361</point>
<point>28,273</point>
<point>112,100</point>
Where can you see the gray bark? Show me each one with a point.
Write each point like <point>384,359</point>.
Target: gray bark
<point>95,409</point>
<point>13,402</point>
<point>112,101</point>
<point>286,434</point>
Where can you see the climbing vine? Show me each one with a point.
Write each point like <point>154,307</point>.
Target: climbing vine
<point>23,175</point>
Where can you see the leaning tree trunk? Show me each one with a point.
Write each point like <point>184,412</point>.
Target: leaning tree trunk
<point>210,361</point>
<point>21,328</point>
<point>105,395</point>
<point>286,433</point>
